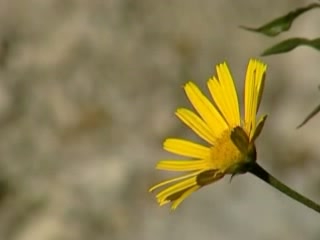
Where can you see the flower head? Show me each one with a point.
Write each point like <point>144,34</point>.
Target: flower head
<point>230,140</point>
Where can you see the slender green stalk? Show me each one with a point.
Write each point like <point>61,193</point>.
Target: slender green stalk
<point>259,172</point>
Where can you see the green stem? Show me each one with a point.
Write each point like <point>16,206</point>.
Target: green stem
<point>259,172</point>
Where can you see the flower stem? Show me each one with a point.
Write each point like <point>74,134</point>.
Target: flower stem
<point>259,172</point>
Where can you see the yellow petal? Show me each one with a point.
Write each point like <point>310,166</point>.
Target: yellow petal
<point>196,124</point>
<point>186,148</point>
<point>179,191</point>
<point>186,194</point>
<point>205,109</point>
<point>172,180</point>
<point>224,93</point>
<point>182,165</point>
<point>165,194</point>
<point>218,96</point>
<point>253,92</point>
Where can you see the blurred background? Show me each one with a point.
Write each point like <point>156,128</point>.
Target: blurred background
<point>88,90</point>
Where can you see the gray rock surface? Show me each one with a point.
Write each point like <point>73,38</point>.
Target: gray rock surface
<point>88,91</point>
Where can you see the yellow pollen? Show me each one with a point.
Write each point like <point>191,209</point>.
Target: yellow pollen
<point>226,153</point>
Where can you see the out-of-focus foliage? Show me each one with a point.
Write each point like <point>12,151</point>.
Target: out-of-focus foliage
<point>310,115</point>
<point>281,24</point>
<point>290,44</point>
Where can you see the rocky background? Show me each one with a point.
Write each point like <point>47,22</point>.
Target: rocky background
<point>88,90</point>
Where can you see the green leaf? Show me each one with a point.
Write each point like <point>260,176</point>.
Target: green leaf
<point>310,115</point>
<point>281,24</point>
<point>290,44</point>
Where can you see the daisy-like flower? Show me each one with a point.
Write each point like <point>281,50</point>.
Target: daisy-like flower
<point>230,147</point>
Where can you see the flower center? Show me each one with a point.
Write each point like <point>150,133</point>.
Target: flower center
<point>233,152</point>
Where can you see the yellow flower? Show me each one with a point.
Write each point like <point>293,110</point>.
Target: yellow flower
<point>230,140</point>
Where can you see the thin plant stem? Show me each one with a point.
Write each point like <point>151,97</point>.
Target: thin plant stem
<point>259,172</point>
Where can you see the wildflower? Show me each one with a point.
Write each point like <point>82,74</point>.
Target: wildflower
<point>230,147</point>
